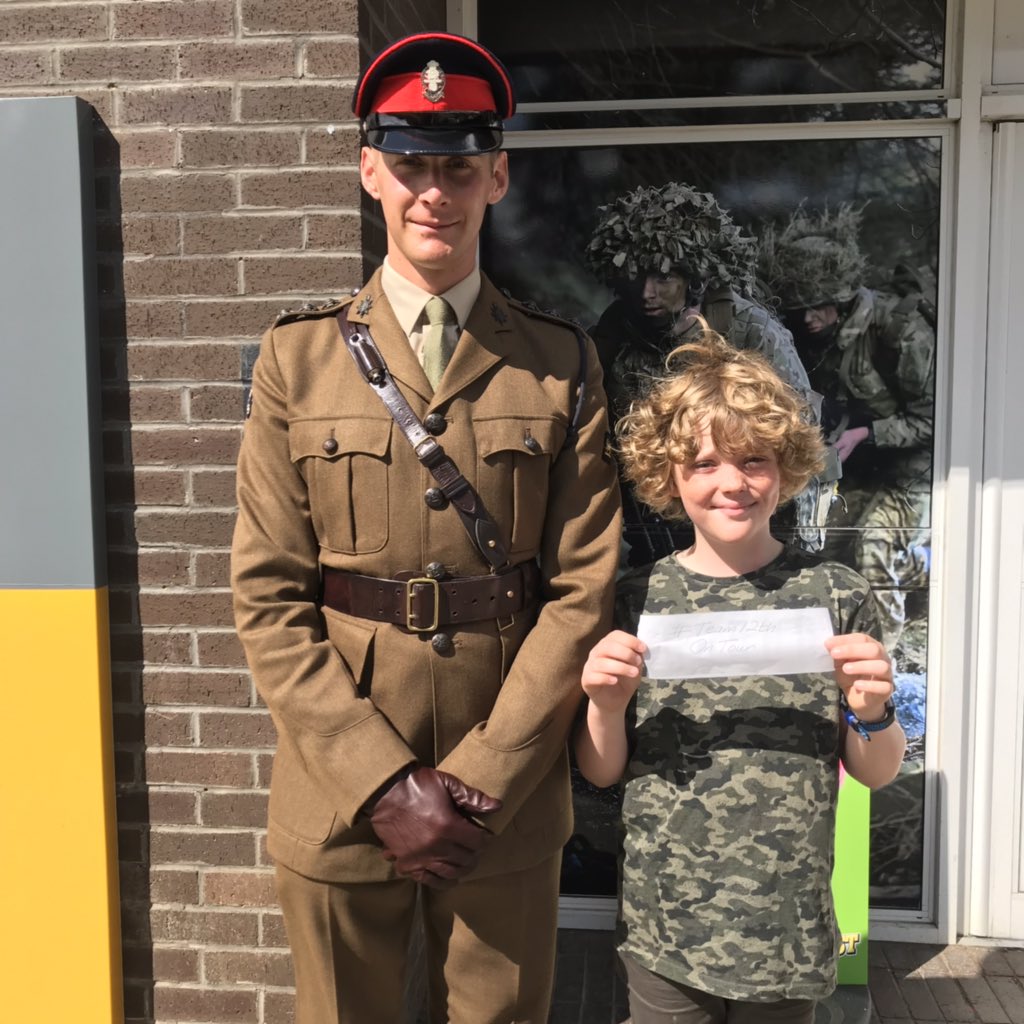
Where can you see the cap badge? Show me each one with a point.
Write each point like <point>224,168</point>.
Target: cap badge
<point>433,80</point>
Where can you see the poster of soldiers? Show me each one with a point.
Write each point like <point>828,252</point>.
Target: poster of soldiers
<point>823,255</point>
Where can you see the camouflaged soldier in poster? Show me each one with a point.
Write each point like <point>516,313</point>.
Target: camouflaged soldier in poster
<point>871,356</point>
<point>728,742</point>
<point>679,263</point>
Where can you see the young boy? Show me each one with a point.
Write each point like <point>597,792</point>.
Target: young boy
<point>731,779</point>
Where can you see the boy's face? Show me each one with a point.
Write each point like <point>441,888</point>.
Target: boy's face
<point>729,499</point>
<point>433,208</point>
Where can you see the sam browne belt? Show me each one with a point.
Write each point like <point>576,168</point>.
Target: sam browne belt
<point>422,604</point>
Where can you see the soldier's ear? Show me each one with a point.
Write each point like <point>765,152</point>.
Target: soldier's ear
<point>499,178</point>
<point>368,171</point>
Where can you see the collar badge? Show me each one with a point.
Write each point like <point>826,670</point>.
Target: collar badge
<point>498,314</point>
<point>433,80</point>
<point>364,307</point>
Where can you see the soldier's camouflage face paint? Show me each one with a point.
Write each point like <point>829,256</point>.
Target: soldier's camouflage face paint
<point>820,318</point>
<point>664,295</point>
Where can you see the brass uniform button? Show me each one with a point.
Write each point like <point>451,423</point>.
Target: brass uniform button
<point>435,499</point>
<point>532,443</point>
<point>330,446</point>
<point>442,643</point>
<point>436,424</point>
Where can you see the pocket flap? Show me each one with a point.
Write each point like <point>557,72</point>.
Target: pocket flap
<point>527,434</point>
<point>327,439</point>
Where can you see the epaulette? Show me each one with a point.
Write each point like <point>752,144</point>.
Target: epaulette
<point>312,310</point>
<point>532,309</point>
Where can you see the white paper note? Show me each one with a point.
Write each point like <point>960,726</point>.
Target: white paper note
<point>703,645</point>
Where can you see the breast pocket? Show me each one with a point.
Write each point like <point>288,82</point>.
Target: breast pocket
<point>514,458</point>
<point>345,465</point>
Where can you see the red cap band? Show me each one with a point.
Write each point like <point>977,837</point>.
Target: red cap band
<point>403,94</point>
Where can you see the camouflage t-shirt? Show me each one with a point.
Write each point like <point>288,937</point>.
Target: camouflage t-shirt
<point>730,795</point>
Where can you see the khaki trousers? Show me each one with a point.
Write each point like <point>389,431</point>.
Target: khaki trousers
<point>489,947</point>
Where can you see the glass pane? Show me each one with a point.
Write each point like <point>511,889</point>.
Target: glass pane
<point>875,202</point>
<point>642,49</point>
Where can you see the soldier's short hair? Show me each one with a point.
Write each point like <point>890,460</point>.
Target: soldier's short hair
<point>736,395</point>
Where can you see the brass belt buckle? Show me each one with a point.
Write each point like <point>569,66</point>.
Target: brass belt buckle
<point>409,584</point>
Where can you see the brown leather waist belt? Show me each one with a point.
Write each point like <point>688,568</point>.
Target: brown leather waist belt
<point>422,604</point>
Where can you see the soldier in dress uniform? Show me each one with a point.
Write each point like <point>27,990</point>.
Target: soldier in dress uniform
<point>679,264</point>
<point>871,354</point>
<point>428,529</point>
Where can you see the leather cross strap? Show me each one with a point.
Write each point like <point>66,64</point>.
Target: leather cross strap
<point>482,529</point>
<point>421,604</point>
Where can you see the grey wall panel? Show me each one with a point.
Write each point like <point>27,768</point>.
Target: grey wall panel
<point>51,508</point>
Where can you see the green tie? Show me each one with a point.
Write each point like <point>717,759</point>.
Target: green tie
<point>438,343</point>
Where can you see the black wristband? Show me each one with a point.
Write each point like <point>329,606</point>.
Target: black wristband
<point>866,728</point>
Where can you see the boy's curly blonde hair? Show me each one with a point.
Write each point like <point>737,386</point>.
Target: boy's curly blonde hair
<point>739,397</point>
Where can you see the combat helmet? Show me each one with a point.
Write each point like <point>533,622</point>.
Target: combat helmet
<point>815,259</point>
<point>671,227</point>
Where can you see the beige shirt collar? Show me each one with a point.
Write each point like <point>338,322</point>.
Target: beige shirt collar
<point>407,299</point>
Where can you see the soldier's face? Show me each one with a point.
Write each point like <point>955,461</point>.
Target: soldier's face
<point>663,295</point>
<point>820,318</point>
<point>729,499</point>
<point>433,208</point>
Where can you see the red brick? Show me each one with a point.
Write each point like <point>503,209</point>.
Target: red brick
<point>237,729</point>
<point>303,275</point>
<point>238,61</point>
<point>220,649</point>
<point>194,276</point>
<point>157,646</point>
<point>118,63</point>
<point>293,103</point>
<point>225,689</point>
<point>234,810</point>
<point>333,146</point>
<point>212,569</point>
<point>191,846</point>
<point>172,19</point>
<point>198,767</point>
<point>249,147</point>
<point>51,23</point>
<point>214,487</point>
<point>279,1008</point>
<point>169,729</point>
<point>141,404</point>
<point>323,58</point>
<point>187,362</point>
<point>198,446</point>
<point>253,232</point>
<point>239,889</point>
<point>172,963</point>
<point>233,318</point>
<point>257,968</point>
<point>211,403</point>
<point>173,886</point>
<point>341,231</point>
<point>206,529</point>
<point>145,487</point>
<point>181,1003</point>
<point>144,319</point>
<point>150,236</point>
<point>151,568</point>
<point>172,807</point>
<point>175,104</point>
<point>264,767</point>
<point>142,148</point>
<point>22,67</point>
<point>299,16</point>
<point>297,190</point>
<point>172,192</point>
<point>194,609</point>
<point>272,930</point>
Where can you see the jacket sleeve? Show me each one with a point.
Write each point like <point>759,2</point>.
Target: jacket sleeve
<point>507,755</point>
<point>348,747</point>
<point>913,340</point>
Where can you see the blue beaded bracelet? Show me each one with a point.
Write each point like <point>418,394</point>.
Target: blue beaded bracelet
<point>866,728</point>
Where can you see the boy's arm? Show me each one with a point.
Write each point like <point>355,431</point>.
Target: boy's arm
<point>610,678</point>
<point>864,673</point>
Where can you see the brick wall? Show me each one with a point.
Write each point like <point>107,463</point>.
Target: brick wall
<point>227,188</point>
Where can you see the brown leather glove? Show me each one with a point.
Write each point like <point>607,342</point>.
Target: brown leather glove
<point>423,826</point>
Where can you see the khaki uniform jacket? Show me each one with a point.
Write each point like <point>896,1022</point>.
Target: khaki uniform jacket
<point>355,700</point>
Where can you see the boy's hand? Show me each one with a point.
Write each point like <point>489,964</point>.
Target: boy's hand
<point>864,673</point>
<point>612,672</point>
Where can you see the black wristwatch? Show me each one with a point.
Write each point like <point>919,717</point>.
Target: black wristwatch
<point>865,729</point>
